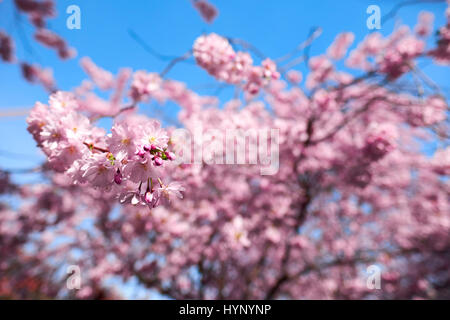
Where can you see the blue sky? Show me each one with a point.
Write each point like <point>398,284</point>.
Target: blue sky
<point>171,26</point>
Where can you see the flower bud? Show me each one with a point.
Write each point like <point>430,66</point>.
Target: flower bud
<point>170,155</point>
<point>148,197</point>
<point>158,161</point>
<point>118,177</point>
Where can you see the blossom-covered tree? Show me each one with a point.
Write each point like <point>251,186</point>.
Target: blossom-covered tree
<point>353,187</point>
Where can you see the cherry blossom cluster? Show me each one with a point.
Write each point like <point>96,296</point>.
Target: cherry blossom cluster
<point>216,55</point>
<point>321,70</point>
<point>380,141</point>
<point>102,78</point>
<point>394,55</point>
<point>120,162</point>
<point>424,25</point>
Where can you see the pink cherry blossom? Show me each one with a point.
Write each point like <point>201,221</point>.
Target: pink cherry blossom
<point>339,47</point>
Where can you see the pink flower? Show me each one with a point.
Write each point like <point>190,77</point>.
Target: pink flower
<point>157,161</point>
<point>424,24</point>
<point>145,86</point>
<point>236,232</point>
<point>294,76</point>
<point>213,53</point>
<point>123,137</point>
<point>324,100</point>
<point>154,135</point>
<point>270,70</point>
<point>138,169</point>
<point>428,112</point>
<point>321,70</point>
<point>170,190</point>
<point>170,155</point>
<point>396,59</point>
<point>148,197</point>
<point>102,78</point>
<point>380,141</point>
<point>36,120</point>
<point>339,47</point>
<point>63,101</point>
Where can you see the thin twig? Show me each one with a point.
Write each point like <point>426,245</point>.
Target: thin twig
<point>313,34</point>
<point>92,147</point>
<point>172,63</point>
